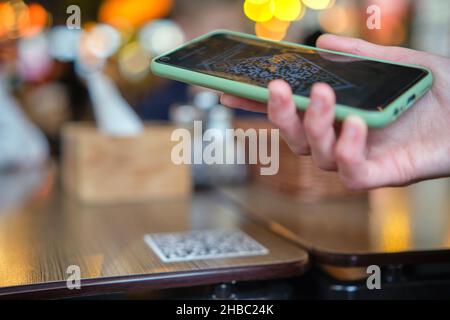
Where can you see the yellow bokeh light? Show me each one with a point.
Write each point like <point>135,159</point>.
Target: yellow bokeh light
<point>259,1</point>
<point>318,4</point>
<point>287,10</point>
<point>134,62</point>
<point>273,17</point>
<point>259,10</point>
<point>302,13</point>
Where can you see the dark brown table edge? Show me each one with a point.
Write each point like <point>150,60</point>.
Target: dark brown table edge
<point>136,283</point>
<point>380,259</point>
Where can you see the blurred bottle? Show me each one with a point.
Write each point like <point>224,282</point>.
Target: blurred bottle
<point>22,144</point>
<point>184,115</point>
<point>205,113</point>
<point>220,119</point>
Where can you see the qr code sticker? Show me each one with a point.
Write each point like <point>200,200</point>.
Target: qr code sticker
<point>299,72</point>
<point>204,244</point>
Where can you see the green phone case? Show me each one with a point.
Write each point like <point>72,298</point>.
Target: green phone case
<point>372,118</point>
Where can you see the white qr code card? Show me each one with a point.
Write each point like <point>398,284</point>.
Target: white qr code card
<point>204,244</point>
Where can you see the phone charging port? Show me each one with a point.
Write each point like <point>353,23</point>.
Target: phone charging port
<point>411,99</point>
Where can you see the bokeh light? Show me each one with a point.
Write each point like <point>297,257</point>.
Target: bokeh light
<point>287,10</point>
<point>34,20</point>
<point>87,60</point>
<point>265,12</point>
<point>272,34</point>
<point>340,19</point>
<point>134,61</point>
<point>318,4</point>
<point>160,36</point>
<point>20,20</point>
<point>275,24</point>
<point>7,19</point>
<point>302,13</point>
<point>63,43</point>
<point>96,44</point>
<point>102,40</point>
<point>31,50</point>
<point>259,10</point>
<point>123,14</point>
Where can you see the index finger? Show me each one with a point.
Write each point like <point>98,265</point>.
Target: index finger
<point>242,103</point>
<point>363,48</point>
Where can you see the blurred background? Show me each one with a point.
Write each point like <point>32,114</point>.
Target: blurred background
<point>71,61</point>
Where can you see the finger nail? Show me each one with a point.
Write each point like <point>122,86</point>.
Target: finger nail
<point>351,128</point>
<point>350,131</point>
<point>318,104</point>
<point>276,100</point>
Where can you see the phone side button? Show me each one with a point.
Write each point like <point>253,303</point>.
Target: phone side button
<point>411,99</point>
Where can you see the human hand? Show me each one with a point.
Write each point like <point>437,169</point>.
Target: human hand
<point>413,148</point>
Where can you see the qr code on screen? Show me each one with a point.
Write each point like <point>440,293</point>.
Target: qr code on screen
<point>299,72</point>
<point>205,244</point>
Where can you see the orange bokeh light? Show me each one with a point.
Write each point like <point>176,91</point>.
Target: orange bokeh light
<point>133,13</point>
<point>32,20</point>
<point>7,19</point>
<point>276,25</point>
<point>22,20</point>
<point>262,31</point>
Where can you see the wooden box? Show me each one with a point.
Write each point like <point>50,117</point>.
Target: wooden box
<point>98,168</point>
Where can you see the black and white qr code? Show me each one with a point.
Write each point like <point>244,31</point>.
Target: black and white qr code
<point>299,72</point>
<point>204,244</point>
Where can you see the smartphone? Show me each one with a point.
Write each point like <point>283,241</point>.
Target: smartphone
<point>243,65</point>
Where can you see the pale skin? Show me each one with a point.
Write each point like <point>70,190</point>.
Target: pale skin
<point>413,148</point>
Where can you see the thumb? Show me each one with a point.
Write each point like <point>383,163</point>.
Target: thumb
<point>366,49</point>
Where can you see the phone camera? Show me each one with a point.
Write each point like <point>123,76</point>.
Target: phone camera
<point>164,59</point>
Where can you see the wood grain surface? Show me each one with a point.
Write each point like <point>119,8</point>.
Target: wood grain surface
<point>394,225</point>
<point>41,237</point>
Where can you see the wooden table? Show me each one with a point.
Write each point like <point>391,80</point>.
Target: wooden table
<point>405,231</point>
<point>44,235</point>
<point>403,225</point>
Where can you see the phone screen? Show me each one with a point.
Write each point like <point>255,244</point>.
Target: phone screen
<point>359,83</point>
